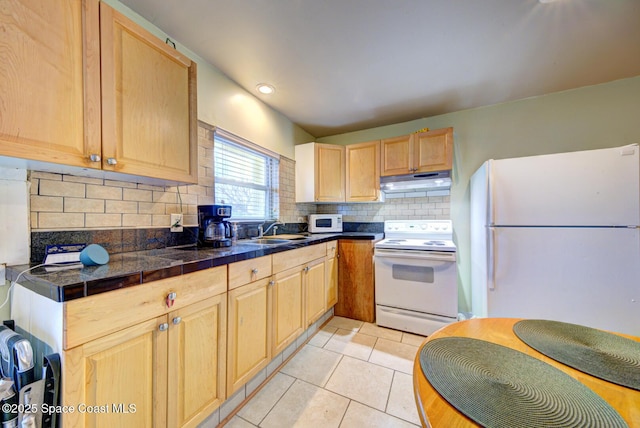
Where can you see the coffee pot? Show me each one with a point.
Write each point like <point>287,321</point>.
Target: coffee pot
<point>213,230</point>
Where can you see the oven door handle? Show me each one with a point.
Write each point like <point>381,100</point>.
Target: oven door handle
<point>425,255</point>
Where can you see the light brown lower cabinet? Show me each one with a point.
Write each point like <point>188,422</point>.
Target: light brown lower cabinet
<point>356,291</point>
<point>249,326</point>
<point>267,315</point>
<point>315,285</point>
<point>153,355</point>
<point>331,275</point>
<point>288,308</point>
<point>166,371</point>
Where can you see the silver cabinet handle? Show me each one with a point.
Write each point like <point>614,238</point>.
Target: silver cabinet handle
<point>306,269</point>
<point>254,271</point>
<point>112,161</point>
<point>163,327</point>
<point>177,320</point>
<point>94,157</point>
<point>271,283</point>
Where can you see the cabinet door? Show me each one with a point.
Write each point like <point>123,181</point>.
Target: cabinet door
<point>433,150</point>
<point>50,81</point>
<point>125,371</point>
<point>330,173</point>
<point>396,155</point>
<point>249,333</point>
<point>363,172</point>
<point>314,283</point>
<point>197,356</point>
<point>148,102</point>
<point>288,320</point>
<point>355,280</point>
<point>331,278</point>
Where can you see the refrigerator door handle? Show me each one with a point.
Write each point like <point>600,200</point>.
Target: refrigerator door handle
<point>491,258</point>
<point>489,189</point>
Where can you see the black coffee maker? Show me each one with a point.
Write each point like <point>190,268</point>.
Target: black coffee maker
<point>213,230</point>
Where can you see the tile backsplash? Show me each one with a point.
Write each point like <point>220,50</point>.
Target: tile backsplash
<point>396,208</point>
<point>62,202</point>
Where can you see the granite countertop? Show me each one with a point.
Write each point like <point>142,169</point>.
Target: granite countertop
<point>139,267</point>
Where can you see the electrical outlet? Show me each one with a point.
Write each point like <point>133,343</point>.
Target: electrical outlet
<point>301,220</point>
<point>176,222</point>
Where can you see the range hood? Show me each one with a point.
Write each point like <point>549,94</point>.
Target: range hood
<point>439,180</point>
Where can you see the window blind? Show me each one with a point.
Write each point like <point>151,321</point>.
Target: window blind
<point>245,178</point>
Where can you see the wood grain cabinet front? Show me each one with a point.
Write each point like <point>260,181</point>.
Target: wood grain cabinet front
<point>167,371</point>
<point>363,172</point>
<point>50,81</point>
<point>149,123</point>
<point>320,172</point>
<point>356,291</point>
<point>249,326</point>
<point>331,275</point>
<point>420,152</point>
<point>153,354</point>
<point>87,87</point>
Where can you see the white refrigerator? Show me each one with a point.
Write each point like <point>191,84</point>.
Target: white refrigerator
<point>558,237</point>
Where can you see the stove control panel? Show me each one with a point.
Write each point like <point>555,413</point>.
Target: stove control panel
<point>418,226</point>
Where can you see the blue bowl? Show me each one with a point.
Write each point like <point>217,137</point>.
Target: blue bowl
<point>93,255</point>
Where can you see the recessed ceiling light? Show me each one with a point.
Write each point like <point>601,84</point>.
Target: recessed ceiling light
<point>265,88</point>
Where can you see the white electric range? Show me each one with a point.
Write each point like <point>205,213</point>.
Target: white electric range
<point>416,280</point>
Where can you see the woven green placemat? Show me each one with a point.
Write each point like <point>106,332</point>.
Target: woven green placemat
<point>499,387</point>
<point>599,353</point>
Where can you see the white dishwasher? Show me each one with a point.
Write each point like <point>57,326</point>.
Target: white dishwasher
<point>416,280</point>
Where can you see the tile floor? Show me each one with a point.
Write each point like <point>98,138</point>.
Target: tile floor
<point>349,374</point>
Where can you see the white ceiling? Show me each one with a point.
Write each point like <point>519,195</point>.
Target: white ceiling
<point>345,65</point>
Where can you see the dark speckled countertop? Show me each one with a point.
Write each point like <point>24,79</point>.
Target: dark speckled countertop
<point>139,267</point>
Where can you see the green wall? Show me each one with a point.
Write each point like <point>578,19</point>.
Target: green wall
<point>606,115</point>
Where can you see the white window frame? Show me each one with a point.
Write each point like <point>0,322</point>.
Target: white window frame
<point>271,173</point>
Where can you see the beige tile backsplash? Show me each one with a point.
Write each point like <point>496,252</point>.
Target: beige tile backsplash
<point>64,202</point>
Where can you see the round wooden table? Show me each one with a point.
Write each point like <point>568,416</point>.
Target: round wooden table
<point>436,412</point>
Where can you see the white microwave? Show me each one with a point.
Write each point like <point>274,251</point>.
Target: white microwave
<point>325,223</point>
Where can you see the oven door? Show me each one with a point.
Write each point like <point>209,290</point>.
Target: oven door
<point>423,281</point>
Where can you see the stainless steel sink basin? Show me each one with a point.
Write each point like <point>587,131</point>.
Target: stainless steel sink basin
<point>264,241</point>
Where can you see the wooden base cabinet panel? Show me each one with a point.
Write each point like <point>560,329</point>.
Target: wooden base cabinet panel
<point>197,357</point>
<point>249,327</point>
<point>167,371</point>
<point>127,369</point>
<point>356,292</point>
<point>331,276</point>
<point>315,290</point>
<point>288,317</point>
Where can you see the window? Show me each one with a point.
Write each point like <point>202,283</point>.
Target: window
<point>246,177</point>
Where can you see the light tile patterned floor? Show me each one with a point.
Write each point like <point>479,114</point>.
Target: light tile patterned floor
<point>350,374</point>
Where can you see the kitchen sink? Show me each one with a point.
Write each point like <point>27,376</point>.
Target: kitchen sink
<point>267,241</point>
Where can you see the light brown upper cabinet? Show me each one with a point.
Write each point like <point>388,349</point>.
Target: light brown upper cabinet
<point>148,103</point>
<point>83,86</point>
<point>320,173</point>
<point>419,152</point>
<point>50,81</point>
<point>363,172</point>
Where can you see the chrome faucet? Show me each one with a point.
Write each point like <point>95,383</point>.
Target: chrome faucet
<point>262,232</point>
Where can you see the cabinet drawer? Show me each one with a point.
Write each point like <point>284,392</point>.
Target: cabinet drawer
<point>95,316</point>
<point>247,271</point>
<point>332,249</point>
<point>288,259</point>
